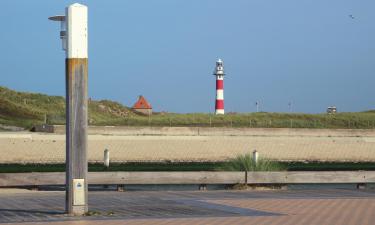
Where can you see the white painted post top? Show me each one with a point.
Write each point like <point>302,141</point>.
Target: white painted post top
<point>76,31</point>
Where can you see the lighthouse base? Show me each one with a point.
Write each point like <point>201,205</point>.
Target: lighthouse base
<point>219,112</point>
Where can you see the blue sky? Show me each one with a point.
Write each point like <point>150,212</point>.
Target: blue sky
<point>309,52</point>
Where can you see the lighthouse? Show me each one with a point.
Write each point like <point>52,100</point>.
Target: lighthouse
<point>219,73</point>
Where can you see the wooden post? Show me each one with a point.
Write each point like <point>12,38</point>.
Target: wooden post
<point>76,109</point>
<point>74,41</point>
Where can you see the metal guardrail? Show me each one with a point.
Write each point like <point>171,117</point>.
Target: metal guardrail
<point>305,177</point>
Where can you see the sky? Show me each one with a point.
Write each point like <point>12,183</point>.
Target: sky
<point>313,53</point>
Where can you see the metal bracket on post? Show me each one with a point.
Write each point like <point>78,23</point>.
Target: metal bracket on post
<point>62,20</point>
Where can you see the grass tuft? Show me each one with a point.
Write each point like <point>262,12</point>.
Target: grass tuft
<point>246,163</point>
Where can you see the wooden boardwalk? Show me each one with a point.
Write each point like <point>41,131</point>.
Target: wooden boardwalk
<point>329,206</point>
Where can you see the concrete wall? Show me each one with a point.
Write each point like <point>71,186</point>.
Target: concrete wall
<point>194,144</point>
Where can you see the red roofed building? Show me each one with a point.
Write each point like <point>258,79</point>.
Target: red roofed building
<point>142,106</point>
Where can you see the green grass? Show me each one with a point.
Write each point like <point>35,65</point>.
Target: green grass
<point>246,163</point>
<point>330,166</point>
<point>27,109</point>
<point>188,166</point>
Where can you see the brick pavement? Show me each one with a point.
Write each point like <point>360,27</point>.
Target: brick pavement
<point>336,206</point>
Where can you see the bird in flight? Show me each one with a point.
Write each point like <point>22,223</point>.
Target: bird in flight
<point>351,16</point>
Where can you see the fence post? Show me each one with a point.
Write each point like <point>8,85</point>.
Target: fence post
<point>291,123</point>
<point>210,121</point>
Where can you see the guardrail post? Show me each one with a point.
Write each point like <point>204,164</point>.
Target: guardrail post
<point>106,158</point>
<point>106,162</point>
<point>255,157</point>
<point>202,187</point>
<point>361,186</point>
<point>34,188</point>
<point>120,188</point>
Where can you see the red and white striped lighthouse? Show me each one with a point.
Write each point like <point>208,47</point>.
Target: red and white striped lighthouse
<point>219,73</point>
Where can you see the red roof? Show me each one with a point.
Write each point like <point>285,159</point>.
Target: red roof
<point>142,103</point>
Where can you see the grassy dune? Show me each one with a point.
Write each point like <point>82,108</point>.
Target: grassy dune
<point>27,109</point>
